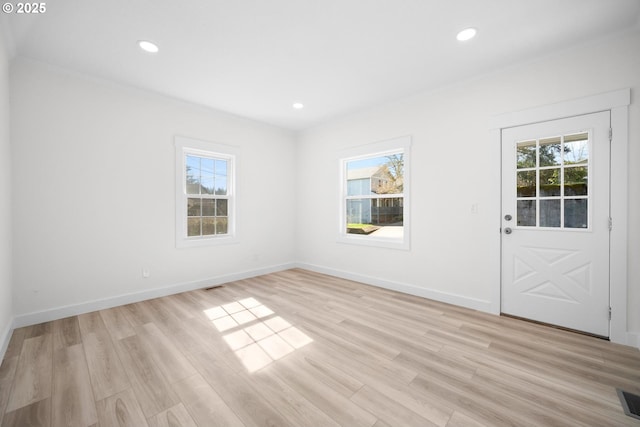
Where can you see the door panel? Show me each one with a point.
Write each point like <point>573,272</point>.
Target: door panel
<point>555,222</point>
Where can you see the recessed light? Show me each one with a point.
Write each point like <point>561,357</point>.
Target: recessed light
<point>467,34</point>
<point>148,46</point>
<point>298,105</point>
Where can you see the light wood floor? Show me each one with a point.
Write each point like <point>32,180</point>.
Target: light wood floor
<point>302,349</point>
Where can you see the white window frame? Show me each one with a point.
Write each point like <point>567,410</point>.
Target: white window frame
<point>376,149</point>
<point>189,146</point>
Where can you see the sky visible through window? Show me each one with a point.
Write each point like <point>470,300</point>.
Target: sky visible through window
<point>366,163</point>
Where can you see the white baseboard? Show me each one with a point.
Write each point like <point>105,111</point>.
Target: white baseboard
<point>89,306</point>
<point>5,338</point>
<point>633,339</point>
<point>459,300</point>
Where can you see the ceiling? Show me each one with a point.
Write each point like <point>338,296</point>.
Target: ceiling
<point>255,58</point>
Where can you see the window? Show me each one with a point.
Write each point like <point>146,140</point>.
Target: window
<point>205,178</point>
<point>374,201</point>
<point>552,179</point>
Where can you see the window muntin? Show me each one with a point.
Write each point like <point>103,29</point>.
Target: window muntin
<point>552,185</point>
<point>205,199</point>
<point>374,195</point>
<point>207,203</point>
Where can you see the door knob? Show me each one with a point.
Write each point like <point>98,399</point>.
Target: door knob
<point>508,230</point>
<point>507,217</point>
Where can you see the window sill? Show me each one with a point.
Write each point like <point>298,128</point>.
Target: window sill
<point>377,242</point>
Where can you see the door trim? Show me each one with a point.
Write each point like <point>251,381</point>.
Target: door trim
<point>617,102</point>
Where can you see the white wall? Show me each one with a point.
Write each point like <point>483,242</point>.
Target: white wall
<point>94,193</point>
<point>455,253</point>
<point>6,299</point>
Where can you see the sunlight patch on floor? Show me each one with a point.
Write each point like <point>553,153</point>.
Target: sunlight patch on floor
<point>254,333</point>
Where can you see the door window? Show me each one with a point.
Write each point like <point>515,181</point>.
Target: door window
<point>552,182</point>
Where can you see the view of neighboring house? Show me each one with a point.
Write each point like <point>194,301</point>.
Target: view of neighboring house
<point>368,182</point>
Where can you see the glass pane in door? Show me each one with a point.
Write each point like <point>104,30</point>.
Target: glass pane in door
<point>550,213</point>
<point>575,213</point>
<point>576,149</point>
<point>549,182</point>
<point>526,213</point>
<point>576,181</point>
<point>526,184</point>
<point>550,151</point>
<point>526,154</point>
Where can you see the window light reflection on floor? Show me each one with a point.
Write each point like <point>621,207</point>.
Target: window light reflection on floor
<point>255,334</point>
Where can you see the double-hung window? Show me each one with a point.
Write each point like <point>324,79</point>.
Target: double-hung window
<point>374,194</point>
<point>205,193</point>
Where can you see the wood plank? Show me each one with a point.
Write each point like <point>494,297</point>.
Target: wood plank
<point>205,405</point>
<point>546,399</point>
<point>481,401</point>
<point>599,384</point>
<point>357,362</point>
<point>91,323</point>
<point>162,314</point>
<point>341,409</point>
<point>176,416</point>
<point>108,376</point>
<point>138,313</point>
<point>436,413</point>
<point>37,414</point>
<point>553,383</point>
<point>297,410</point>
<point>357,335</point>
<point>238,393</point>
<point>72,401</point>
<point>7,375</point>
<point>336,378</point>
<point>66,333</point>
<point>388,409</point>
<point>171,362</point>
<point>153,391</point>
<point>460,420</point>
<point>427,361</point>
<point>33,374</point>
<point>15,343</point>
<point>116,322</point>
<point>121,409</point>
<point>38,330</point>
<point>393,341</point>
<point>200,336</point>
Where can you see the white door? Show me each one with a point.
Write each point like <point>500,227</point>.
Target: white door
<point>555,222</point>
